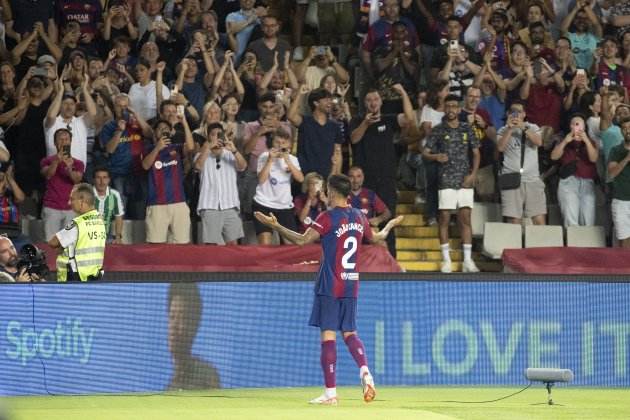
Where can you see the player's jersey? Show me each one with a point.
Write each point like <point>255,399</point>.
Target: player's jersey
<point>342,231</point>
<point>368,202</point>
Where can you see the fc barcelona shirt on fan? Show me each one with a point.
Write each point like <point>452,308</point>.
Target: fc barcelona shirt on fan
<point>342,231</point>
<point>368,202</point>
<point>166,177</point>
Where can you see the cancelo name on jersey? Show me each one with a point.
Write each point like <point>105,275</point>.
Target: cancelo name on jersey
<point>348,226</point>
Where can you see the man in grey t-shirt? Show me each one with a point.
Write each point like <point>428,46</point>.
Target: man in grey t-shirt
<point>529,199</point>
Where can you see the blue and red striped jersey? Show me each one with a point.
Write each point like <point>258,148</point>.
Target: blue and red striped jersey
<point>166,177</point>
<point>368,202</point>
<point>342,231</point>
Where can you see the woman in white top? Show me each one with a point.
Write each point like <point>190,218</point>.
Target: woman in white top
<point>143,94</point>
<point>276,168</point>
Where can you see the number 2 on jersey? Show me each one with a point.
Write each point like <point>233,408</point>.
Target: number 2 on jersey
<point>351,245</point>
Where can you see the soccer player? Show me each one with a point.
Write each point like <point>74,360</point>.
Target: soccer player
<point>342,229</point>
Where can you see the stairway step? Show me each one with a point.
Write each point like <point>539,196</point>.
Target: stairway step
<point>409,208</point>
<point>427,265</point>
<point>423,232</point>
<point>414,256</point>
<point>434,266</point>
<point>415,244</point>
<point>407,197</point>
<point>413,220</point>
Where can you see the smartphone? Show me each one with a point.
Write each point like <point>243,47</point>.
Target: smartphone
<point>181,109</point>
<point>320,50</point>
<point>580,72</point>
<point>66,150</point>
<point>577,127</point>
<point>606,82</point>
<point>318,186</point>
<point>453,45</point>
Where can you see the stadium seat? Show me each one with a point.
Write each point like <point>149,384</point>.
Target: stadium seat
<point>500,236</point>
<point>482,213</point>
<point>34,229</point>
<point>134,232</point>
<point>586,236</point>
<point>541,236</point>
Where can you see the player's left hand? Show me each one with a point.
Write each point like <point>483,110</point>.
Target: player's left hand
<point>270,220</point>
<point>394,222</point>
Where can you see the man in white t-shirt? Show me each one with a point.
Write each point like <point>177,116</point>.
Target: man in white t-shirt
<point>61,114</point>
<point>143,94</point>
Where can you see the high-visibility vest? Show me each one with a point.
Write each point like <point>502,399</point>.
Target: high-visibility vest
<point>89,250</point>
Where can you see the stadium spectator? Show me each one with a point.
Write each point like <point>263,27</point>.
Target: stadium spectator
<point>319,63</point>
<point>124,141</point>
<point>118,22</point>
<point>61,172</point>
<point>226,81</point>
<point>82,241</point>
<point>86,12</point>
<point>536,18</point>
<point>515,138</point>
<point>25,53</point>
<point>620,16</point>
<point>577,154</point>
<point>619,172</point>
<point>218,162</point>
<point>336,294</point>
<point>144,97</point>
<point>486,134</point>
<point>542,90</point>
<point>586,35</point>
<point>311,202</point>
<point>257,137</point>
<point>167,210</point>
<point>493,92</point>
<point>319,137</point>
<point>11,195</point>
<point>607,67</point>
<point>496,38</point>
<point>282,82</point>
<point>185,308</point>
<point>242,23</point>
<point>431,116</point>
<point>458,71</point>
<point>612,113</point>
<point>451,144</point>
<point>373,148</point>
<point>109,205</point>
<point>366,200</point>
<point>266,47</point>
<point>453,38</point>
<point>276,169</point>
<point>395,62</point>
<point>190,85</point>
<point>61,114</point>
<point>380,33</point>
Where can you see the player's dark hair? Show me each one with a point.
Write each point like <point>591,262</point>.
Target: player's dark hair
<point>340,184</point>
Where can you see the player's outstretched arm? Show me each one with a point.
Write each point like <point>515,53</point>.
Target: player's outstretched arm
<point>305,238</point>
<point>382,235</point>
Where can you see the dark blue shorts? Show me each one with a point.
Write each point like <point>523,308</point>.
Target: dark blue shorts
<point>335,314</point>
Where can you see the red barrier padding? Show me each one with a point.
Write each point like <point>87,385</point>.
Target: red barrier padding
<point>567,260</point>
<point>241,258</point>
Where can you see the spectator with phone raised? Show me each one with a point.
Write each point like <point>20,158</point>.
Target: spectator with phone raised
<point>218,162</point>
<point>578,155</point>
<point>311,202</point>
<point>61,172</point>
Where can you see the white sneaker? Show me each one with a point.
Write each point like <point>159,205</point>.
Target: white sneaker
<point>431,221</point>
<point>469,267</point>
<point>369,391</point>
<point>419,199</point>
<point>446,267</point>
<point>298,54</point>
<point>324,400</point>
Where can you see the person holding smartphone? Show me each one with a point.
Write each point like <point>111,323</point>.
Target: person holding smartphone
<point>218,162</point>
<point>577,155</point>
<point>61,172</point>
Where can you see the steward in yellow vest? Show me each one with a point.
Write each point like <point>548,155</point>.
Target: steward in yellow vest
<point>82,241</point>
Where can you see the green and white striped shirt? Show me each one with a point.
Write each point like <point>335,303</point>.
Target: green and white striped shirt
<point>109,206</point>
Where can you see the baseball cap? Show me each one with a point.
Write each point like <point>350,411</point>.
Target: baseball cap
<point>46,59</point>
<point>76,52</point>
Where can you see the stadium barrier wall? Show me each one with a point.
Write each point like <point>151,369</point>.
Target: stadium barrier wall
<point>114,337</point>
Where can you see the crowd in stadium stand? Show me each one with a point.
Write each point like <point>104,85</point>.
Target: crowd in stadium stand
<point>187,111</point>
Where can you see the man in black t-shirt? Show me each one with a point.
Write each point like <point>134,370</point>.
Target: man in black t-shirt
<point>373,148</point>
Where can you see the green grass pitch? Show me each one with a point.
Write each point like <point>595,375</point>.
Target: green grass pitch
<point>396,403</point>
